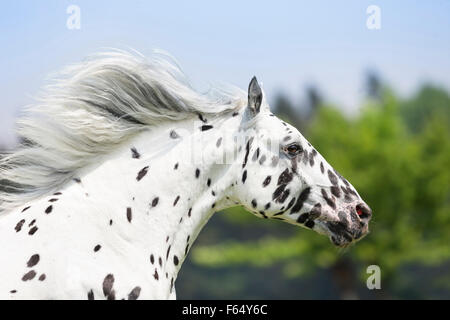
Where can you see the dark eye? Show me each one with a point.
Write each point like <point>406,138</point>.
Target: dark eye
<point>294,149</point>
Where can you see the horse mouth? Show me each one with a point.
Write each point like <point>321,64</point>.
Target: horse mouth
<point>343,236</point>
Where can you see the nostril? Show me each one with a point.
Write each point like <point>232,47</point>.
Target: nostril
<point>363,211</point>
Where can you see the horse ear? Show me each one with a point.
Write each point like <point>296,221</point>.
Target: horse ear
<point>254,96</point>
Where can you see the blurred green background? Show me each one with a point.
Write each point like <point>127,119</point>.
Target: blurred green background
<point>396,152</point>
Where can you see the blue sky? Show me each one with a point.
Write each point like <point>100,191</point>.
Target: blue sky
<point>286,44</point>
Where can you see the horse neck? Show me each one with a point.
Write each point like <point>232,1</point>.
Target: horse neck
<point>160,195</point>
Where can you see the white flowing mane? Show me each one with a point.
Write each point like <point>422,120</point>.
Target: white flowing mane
<point>91,108</point>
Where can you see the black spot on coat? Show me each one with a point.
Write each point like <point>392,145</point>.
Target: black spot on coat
<point>33,230</point>
<point>206,127</point>
<point>290,204</point>
<point>34,260</point>
<point>329,201</point>
<point>301,200</point>
<point>247,150</point>
<point>19,225</point>
<point>134,294</point>
<point>305,156</point>
<point>311,159</point>
<point>244,176</point>
<point>134,153</point>
<point>336,191</point>
<point>350,190</point>
<point>262,159</point>
<point>108,284</point>
<point>315,211</point>
<point>200,116</point>
<point>142,173</point>
<point>285,177</point>
<point>167,253</point>
<point>29,275</point>
<point>332,178</point>
<point>283,196</point>
<point>174,134</point>
<point>266,181</point>
<point>278,191</point>
<point>302,218</point>
<point>255,155</point>
<point>129,214</point>
<point>176,201</point>
<point>309,224</point>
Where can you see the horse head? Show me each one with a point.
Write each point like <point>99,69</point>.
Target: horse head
<point>284,177</point>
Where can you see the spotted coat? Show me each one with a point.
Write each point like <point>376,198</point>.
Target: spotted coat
<point>121,229</point>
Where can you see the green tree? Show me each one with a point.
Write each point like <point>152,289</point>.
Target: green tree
<point>426,103</point>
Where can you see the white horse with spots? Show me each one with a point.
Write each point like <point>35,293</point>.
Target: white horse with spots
<point>123,163</point>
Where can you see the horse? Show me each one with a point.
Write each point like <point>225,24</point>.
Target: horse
<point>123,162</point>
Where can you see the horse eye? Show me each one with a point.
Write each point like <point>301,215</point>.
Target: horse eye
<point>294,149</point>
